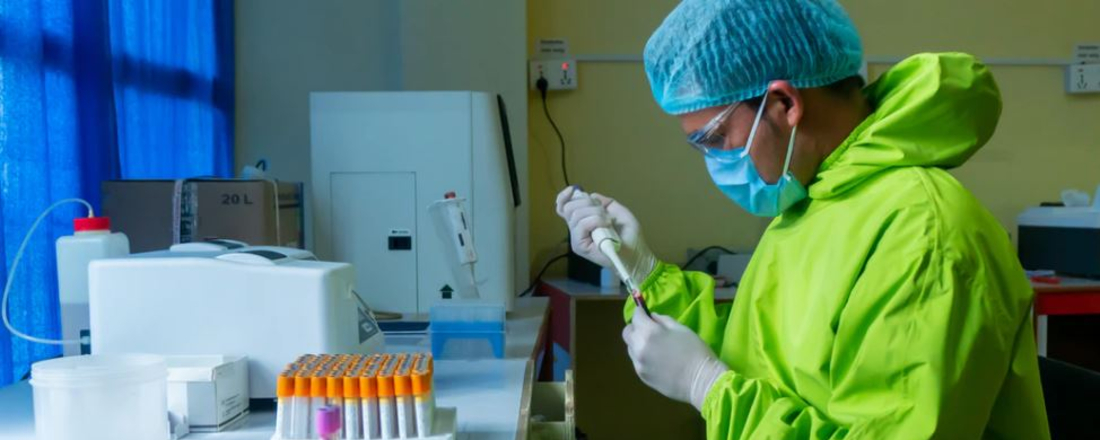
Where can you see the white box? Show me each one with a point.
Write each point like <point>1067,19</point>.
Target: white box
<point>209,392</point>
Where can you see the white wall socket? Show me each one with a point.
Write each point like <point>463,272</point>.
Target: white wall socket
<point>1083,78</point>
<point>560,74</point>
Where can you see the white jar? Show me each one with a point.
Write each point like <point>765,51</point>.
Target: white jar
<point>101,397</point>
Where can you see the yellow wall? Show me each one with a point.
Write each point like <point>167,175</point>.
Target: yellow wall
<point>619,142</point>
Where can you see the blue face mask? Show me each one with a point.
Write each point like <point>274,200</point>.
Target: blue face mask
<point>734,172</point>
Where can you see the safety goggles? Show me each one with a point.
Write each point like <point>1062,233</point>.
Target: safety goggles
<point>707,139</point>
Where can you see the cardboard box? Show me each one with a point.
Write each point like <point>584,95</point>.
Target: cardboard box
<point>209,393</point>
<point>155,214</point>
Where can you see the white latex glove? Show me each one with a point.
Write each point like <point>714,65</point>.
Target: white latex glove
<point>671,358</point>
<point>584,215</point>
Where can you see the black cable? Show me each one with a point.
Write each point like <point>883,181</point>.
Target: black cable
<point>543,85</point>
<point>705,250</point>
<point>542,272</point>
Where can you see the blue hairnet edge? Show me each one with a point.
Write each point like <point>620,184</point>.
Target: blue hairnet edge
<point>806,83</point>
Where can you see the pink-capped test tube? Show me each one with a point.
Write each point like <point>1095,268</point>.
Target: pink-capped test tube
<point>328,422</point>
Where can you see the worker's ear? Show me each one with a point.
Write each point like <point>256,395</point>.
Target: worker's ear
<point>786,101</point>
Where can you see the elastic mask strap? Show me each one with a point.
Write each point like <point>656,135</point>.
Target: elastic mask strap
<point>756,122</point>
<point>786,167</point>
<point>790,151</point>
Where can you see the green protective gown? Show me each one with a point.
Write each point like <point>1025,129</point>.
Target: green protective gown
<point>888,305</point>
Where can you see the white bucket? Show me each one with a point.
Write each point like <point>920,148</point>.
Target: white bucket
<point>108,397</point>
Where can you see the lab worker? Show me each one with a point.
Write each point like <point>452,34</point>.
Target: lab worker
<point>883,301</point>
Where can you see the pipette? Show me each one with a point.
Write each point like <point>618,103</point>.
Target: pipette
<point>608,241</point>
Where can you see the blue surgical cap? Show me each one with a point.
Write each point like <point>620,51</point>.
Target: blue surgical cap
<point>716,52</point>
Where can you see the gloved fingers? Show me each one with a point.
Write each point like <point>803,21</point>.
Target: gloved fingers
<point>583,229</point>
<point>642,321</point>
<point>578,203</point>
<point>666,321</point>
<point>564,197</point>
<point>630,346</point>
<point>578,215</point>
<point>620,213</point>
<point>617,209</point>
<point>604,201</point>
<point>628,338</point>
<point>624,220</point>
<point>636,334</point>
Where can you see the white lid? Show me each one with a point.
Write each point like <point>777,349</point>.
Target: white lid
<point>98,370</point>
<point>197,368</point>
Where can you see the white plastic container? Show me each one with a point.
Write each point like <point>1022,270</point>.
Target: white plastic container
<point>92,239</point>
<point>101,397</point>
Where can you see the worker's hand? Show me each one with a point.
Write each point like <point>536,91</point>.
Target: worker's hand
<point>671,358</point>
<point>584,215</point>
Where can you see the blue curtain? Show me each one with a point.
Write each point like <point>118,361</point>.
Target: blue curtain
<point>93,90</point>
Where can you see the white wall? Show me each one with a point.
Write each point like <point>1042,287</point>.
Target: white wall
<point>286,49</point>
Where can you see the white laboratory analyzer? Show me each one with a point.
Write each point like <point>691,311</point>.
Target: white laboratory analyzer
<point>270,304</point>
<point>385,165</point>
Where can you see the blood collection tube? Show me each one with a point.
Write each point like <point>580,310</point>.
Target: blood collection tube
<point>284,391</point>
<point>368,390</point>
<point>353,428</point>
<point>317,388</point>
<point>327,420</point>
<point>299,414</point>
<point>423,395</point>
<point>335,390</point>
<point>403,398</point>
<point>387,405</point>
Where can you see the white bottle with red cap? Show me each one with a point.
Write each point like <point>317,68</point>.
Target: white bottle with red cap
<point>92,239</point>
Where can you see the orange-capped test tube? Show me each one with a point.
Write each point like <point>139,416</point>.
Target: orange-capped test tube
<point>387,404</point>
<point>403,397</point>
<point>284,392</point>
<point>334,392</point>
<point>368,391</point>
<point>423,396</point>
<point>353,428</point>
<point>299,414</point>
<point>334,387</point>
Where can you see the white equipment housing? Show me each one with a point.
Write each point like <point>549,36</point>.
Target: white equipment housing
<point>271,304</point>
<point>380,159</point>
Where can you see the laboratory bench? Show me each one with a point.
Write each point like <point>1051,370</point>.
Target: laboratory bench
<point>493,396</point>
<point>586,334</point>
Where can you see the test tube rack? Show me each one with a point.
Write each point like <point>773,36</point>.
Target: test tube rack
<point>380,396</point>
